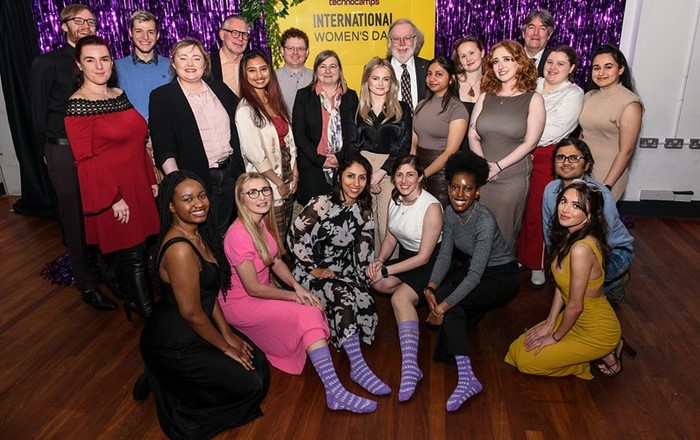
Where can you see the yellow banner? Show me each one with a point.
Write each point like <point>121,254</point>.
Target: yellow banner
<point>357,29</point>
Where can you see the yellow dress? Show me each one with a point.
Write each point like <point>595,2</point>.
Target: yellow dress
<point>595,333</point>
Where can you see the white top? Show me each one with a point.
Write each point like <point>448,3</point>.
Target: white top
<point>411,67</point>
<point>563,106</point>
<point>406,222</point>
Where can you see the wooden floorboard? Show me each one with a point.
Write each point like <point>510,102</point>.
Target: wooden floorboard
<point>66,370</point>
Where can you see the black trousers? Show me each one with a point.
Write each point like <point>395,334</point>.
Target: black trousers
<point>64,178</point>
<point>498,285</point>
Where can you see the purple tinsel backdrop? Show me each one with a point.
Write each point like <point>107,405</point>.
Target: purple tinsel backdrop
<point>581,24</point>
<point>178,19</point>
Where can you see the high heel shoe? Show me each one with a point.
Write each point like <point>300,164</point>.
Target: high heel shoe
<point>609,370</point>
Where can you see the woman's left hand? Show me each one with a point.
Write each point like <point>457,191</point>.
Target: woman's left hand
<point>294,184</point>
<point>304,297</point>
<point>238,343</point>
<point>373,271</point>
<point>493,171</point>
<point>437,313</point>
<point>540,343</point>
<point>377,177</point>
<point>154,189</point>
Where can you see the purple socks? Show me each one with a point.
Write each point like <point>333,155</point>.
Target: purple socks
<point>337,397</point>
<point>359,370</point>
<point>467,384</point>
<point>410,372</point>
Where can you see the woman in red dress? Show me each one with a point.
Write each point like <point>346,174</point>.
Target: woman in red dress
<point>117,183</point>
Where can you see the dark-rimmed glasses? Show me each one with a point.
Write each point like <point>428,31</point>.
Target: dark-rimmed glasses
<point>560,158</point>
<point>235,34</point>
<point>79,21</point>
<point>255,193</point>
<point>404,40</point>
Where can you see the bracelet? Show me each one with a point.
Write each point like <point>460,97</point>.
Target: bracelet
<point>385,272</point>
<point>432,312</point>
<point>553,337</point>
<point>429,288</point>
<point>499,167</point>
<point>609,187</point>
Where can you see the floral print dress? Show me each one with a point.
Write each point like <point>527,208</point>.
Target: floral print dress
<point>338,237</point>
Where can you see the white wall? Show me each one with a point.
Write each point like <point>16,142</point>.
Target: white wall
<point>665,57</point>
<point>9,167</point>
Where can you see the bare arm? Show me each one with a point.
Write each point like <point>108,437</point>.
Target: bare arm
<point>414,143</point>
<point>630,125</point>
<point>455,134</point>
<point>249,277</point>
<point>432,226</point>
<point>474,138</point>
<point>536,119</point>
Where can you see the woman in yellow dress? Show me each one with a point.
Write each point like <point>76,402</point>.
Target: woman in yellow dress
<point>587,329</point>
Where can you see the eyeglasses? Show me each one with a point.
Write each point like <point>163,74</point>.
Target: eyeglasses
<point>235,34</point>
<point>294,49</point>
<point>79,21</point>
<point>560,158</point>
<point>404,40</point>
<point>255,193</point>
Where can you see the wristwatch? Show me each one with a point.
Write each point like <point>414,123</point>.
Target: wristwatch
<point>385,272</point>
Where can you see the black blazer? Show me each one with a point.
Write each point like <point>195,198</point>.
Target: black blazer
<point>175,134</point>
<point>215,66</point>
<point>421,74</point>
<point>307,123</point>
<point>541,61</point>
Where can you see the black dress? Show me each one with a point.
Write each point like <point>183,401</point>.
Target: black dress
<point>199,391</point>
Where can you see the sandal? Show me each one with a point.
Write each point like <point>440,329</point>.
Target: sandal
<point>615,368</point>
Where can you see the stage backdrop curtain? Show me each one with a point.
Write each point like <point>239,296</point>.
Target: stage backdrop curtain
<point>18,47</point>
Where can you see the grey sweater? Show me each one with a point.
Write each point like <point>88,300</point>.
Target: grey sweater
<point>479,238</point>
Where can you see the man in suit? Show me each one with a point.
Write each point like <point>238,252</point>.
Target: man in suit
<point>52,82</point>
<point>234,34</point>
<point>537,30</point>
<point>404,43</point>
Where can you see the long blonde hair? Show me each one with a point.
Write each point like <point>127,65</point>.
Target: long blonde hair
<point>254,228</point>
<point>392,108</point>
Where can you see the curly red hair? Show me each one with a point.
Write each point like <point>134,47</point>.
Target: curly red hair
<point>525,77</point>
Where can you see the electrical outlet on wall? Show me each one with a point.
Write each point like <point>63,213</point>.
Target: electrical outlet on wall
<point>694,144</point>
<point>648,143</point>
<point>674,143</point>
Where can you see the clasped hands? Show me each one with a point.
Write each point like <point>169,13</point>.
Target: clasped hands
<point>437,311</point>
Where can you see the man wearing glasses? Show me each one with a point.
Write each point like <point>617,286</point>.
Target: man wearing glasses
<point>51,83</point>
<point>294,75</point>
<point>144,70</point>
<point>572,160</point>
<point>404,44</point>
<point>234,34</point>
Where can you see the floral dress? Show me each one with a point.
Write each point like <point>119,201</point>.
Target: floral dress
<point>338,237</point>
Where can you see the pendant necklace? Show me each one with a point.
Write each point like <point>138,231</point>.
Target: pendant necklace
<point>459,219</point>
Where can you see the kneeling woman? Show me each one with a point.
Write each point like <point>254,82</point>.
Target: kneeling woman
<point>587,329</point>
<point>489,280</point>
<point>205,377</point>
<point>286,324</point>
<point>332,242</point>
<point>415,223</point>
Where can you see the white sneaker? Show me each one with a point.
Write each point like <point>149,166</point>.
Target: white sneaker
<point>537,279</point>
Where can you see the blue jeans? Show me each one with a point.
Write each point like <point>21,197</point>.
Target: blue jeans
<point>619,263</point>
<point>221,199</point>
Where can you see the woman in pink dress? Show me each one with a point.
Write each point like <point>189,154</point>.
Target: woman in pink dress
<point>286,324</point>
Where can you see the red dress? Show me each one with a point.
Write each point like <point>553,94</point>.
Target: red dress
<point>108,141</point>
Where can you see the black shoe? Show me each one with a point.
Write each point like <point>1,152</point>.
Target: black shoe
<point>97,299</point>
<point>142,387</point>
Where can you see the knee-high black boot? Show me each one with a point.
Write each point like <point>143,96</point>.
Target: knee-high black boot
<point>133,266</point>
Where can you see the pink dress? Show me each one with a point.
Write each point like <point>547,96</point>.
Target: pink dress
<point>282,329</point>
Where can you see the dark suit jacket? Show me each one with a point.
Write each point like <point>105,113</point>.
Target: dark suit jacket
<point>421,74</point>
<point>541,62</point>
<point>216,72</point>
<point>175,134</point>
<point>307,123</point>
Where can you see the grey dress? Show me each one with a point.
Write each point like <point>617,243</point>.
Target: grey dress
<point>502,125</point>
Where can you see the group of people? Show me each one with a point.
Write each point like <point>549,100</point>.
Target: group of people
<point>417,187</point>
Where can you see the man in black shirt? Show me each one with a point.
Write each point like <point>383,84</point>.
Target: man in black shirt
<point>51,84</point>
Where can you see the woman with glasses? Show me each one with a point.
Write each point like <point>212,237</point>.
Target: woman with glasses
<point>332,242</point>
<point>117,184</point>
<point>381,132</point>
<point>506,126</point>
<point>269,145</point>
<point>286,324</point>
<point>459,297</point>
<point>205,375</point>
<point>563,101</point>
<point>321,122</point>
<point>611,118</point>
<point>587,328</point>
<point>193,128</point>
